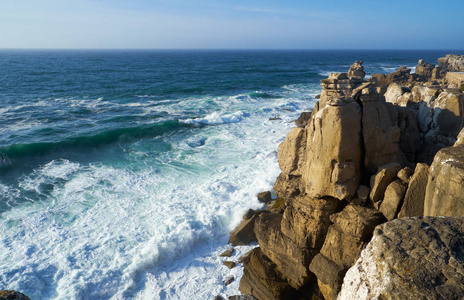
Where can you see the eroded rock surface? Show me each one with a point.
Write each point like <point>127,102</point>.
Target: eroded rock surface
<point>417,258</point>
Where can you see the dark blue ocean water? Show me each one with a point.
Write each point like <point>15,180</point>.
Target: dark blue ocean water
<point>122,172</point>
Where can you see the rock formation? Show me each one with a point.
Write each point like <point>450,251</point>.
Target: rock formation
<point>360,159</point>
<point>418,258</point>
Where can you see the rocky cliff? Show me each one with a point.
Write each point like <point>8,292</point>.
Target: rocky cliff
<point>361,159</point>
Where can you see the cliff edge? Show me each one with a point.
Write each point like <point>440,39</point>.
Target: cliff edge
<point>372,151</point>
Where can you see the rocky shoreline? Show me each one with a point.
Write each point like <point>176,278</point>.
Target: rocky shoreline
<point>370,201</point>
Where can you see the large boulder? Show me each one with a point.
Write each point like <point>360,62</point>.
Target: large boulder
<point>334,150</point>
<point>398,95</point>
<point>449,112</point>
<point>445,188</point>
<point>351,230</point>
<point>416,258</point>
<point>424,69</point>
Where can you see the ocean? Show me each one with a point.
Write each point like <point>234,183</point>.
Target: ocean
<point>122,172</point>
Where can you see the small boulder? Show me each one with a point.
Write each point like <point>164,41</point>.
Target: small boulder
<point>265,197</point>
<point>228,280</point>
<point>228,252</point>
<point>391,203</point>
<point>229,264</point>
<point>405,173</point>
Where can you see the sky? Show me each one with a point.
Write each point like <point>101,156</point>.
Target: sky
<point>238,24</point>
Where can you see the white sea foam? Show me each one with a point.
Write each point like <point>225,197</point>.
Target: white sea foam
<point>152,228</point>
<point>216,118</point>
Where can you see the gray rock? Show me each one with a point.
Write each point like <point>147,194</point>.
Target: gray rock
<point>416,258</point>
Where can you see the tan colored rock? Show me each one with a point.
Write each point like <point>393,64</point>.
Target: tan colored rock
<point>449,111</point>
<point>276,206</point>
<point>229,264</point>
<point>288,186</point>
<point>351,230</point>
<point>427,94</point>
<point>306,220</point>
<point>445,188</point>
<point>451,63</point>
<point>261,279</point>
<point>264,197</point>
<point>380,181</point>
<point>291,260</point>
<point>393,198</point>
<point>291,151</point>
<point>363,192</point>
<point>413,204</point>
<point>334,151</point>
<point>398,95</point>
<point>405,174</point>
<point>244,233</point>
<point>356,70</point>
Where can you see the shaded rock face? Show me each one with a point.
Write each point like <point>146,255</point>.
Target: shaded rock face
<point>356,70</point>
<point>417,258</point>
<point>261,279</point>
<point>351,230</point>
<point>445,188</point>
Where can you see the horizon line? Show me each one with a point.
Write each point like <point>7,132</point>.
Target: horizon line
<point>242,49</point>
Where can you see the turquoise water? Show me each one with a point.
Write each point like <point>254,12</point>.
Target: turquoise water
<point>122,172</point>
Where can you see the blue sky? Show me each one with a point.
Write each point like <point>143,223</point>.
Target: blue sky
<point>261,24</point>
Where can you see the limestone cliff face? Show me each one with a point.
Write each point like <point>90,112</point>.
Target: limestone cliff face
<point>361,159</point>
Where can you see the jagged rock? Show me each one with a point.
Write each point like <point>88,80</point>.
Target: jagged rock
<point>413,204</point>
<point>334,151</point>
<point>228,280</point>
<point>449,111</point>
<point>244,233</point>
<point>405,174</point>
<point>292,150</point>
<point>306,220</point>
<point>265,197</point>
<point>261,279</point>
<point>393,198</point>
<point>12,295</point>
<point>219,297</point>
<point>288,186</point>
<point>303,119</point>
<point>228,252</point>
<point>351,230</point>
<point>398,95</point>
<point>451,63</point>
<point>380,181</point>
<point>417,258</point>
<point>356,70</point>
<point>276,206</point>
<point>424,69</point>
<point>291,260</point>
<point>381,135</point>
<point>445,188</point>
<point>229,264</point>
